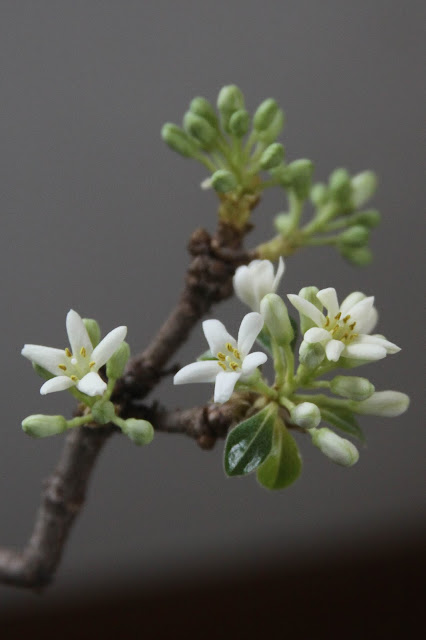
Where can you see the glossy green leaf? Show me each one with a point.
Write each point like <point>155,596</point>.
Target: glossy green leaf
<point>250,442</point>
<point>344,420</point>
<point>284,464</point>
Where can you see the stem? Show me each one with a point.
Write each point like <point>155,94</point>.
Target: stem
<point>80,422</point>
<point>289,356</point>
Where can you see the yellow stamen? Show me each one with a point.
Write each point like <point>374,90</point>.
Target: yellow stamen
<point>233,365</point>
<point>345,336</point>
<point>74,378</point>
<point>68,353</point>
<point>83,352</point>
<point>237,354</point>
<point>346,318</point>
<point>221,355</point>
<point>327,321</point>
<point>336,328</point>
<point>352,326</point>
<point>222,365</point>
<point>338,316</point>
<point>230,347</point>
<point>92,364</point>
<point>62,366</point>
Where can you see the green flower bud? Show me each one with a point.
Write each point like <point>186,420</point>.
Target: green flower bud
<point>370,218</point>
<point>306,415</point>
<point>40,426</point>
<point>117,363</point>
<point>94,331</point>
<point>338,449</point>
<point>358,256</point>
<point>178,140</point>
<point>283,223</point>
<point>103,412</point>
<point>265,114</point>
<point>311,355</point>
<point>310,294</point>
<point>202,107</point>
<point>364,186</point>
<point>352,387</point>
<point>383,403</point>
<point>271,133</point>
<point>300,176</point>
<point>239,123</point>
<point>272,157</point>
<point>139,431</point>
<point>356,236</point>
<point>223,181</point>
<point>319,194</point>
<point>200,129</point>
<point>340,186</point>
<point>275,314</point>
<point>229,100</point>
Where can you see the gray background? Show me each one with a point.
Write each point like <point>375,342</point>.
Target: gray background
<point>95,214</point>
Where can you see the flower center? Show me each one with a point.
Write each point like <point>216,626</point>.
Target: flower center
<point>230,360</point>
<point>341,328</point>
<point>76,366</point>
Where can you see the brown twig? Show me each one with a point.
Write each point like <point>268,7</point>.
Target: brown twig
<point>208,281</point>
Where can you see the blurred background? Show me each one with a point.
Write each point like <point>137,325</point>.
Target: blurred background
<point>95,215</point>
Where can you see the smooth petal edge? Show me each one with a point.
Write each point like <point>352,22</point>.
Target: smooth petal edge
<point>252,361</point>
<point>108,346</point>
<point>225,385</point>
<point>92,384</point>
<point>307,309</point>
<point>58,383</point>
<point>251,326</point>
<point>204,371</point>
<point>47,357</point>
<point>217,335</point>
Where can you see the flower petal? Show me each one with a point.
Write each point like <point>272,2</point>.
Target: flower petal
<point>371,321</point>
<point>360,351</point>
<point>205,371</point>
<point>250,328</point>
<point>278,275</point>
<point>217,336</point>
<point>350,301</point>
<point>252,361</point>
<point>243,286</point>
<point>108,346</point>
<point>92,384</point>
<point>361,313</point>
<point>316,335</point>
<point>328,297</point>
<point>58,383</point>
<point>225,384</point>
<point>77,333</point>
<point>333,350</point>
<point>46,357</point>
<point>380,341</point>
<point>307,309</point>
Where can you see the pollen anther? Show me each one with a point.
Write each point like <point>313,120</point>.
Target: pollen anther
<point>230,347</point>
<point>233,365</point>
<point>222,365</point>
<point>74,378</point>
<point>68,353</point>
<point>346,318</point>
<point>92,364</point>
<point>352,326</point>
<point>327,321</point>
<point>221,355</point>
<point>83,352</point>
<point>62,366</point>
<point>338,316</point>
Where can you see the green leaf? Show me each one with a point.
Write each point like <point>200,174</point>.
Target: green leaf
<point>250,442</point>
<point>344,420</point>
<point>284,464</point>
<point>264,339</point>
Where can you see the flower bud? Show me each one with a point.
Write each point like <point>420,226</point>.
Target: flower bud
<point>271,133</point>
<point>200,129</point>
<point>202,107</point>
<point>275,315</point>
<point>239,123</point>
<point>223,181</point>
<point>359,256</point>
<point>310,294</point>
<point>139,431</point>
<point>370,218</point>
<point>301,176</point>
<point>383,403</point>
<point>319,194</point>
<point>338,449</point>
<point>283,223</point>
<point>340,185</point>
<point>93,330</point>
<point>40,426</point>
<point>117,363</point>
<point>229,100</point>
<point>178,140</point>
<point>103,412</point>
<point>352,387</point>
<point>311,355</point>
<point>272,157</point>
<point>265,114</point>
<point>356,236</point>
<point>364,186</point>
<point>306,415</point>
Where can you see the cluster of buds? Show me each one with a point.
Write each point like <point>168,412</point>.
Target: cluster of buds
<point>337,336</point>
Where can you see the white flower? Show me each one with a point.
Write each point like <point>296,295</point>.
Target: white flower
<point>383,403</point>
<point>233,362</point>
<point>254,281</point>
<point>345,330</point>
<point>78,366</point>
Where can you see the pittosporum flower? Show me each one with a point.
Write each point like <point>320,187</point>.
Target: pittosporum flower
<point>252,282</point>
<point>79,365</point>
<point>345,330</point>
<point>232,361</point>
